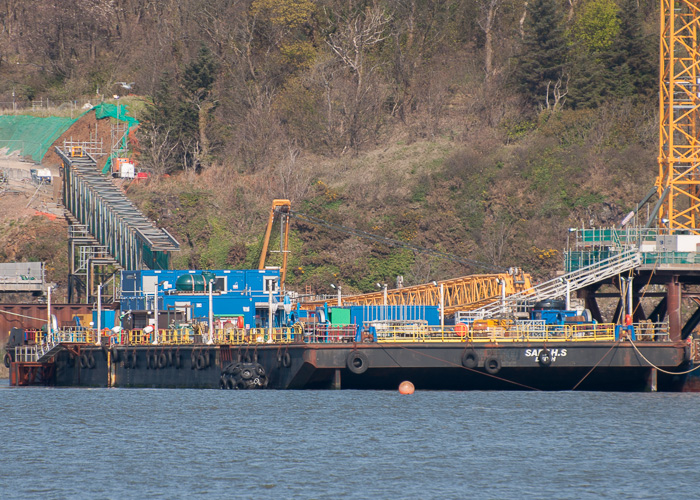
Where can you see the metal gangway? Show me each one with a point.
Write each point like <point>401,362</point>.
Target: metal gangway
<point>557,287</point>
<point>110,217</point>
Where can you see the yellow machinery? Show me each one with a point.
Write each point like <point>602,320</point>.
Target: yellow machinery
<point>281,208</point>
<point>460,294</point>
<point>679,154</point>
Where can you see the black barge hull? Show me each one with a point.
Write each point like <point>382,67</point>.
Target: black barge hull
<point>608,366</point>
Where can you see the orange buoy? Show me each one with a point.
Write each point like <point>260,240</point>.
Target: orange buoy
<point>406,387</point>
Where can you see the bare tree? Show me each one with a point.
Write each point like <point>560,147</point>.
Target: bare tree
<point>487,22</point>
<point>351,42</point>
<point>558,94</point>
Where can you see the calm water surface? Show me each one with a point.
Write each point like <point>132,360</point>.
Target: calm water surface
<point>139,443</point>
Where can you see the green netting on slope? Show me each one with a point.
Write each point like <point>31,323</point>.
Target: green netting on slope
<point>121,113</point>
<point>31,135</point>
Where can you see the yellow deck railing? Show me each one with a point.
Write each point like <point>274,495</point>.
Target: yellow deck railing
<point>513,333</point>
<point>499,332</point>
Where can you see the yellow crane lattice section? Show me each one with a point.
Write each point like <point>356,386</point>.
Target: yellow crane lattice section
<point>679,154</point>
<point>460,294</point>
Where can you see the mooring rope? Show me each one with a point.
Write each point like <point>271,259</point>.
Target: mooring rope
<point>661,369</point>
<point>24,316</point>
<point>596,365</point>
<point>470,369</point>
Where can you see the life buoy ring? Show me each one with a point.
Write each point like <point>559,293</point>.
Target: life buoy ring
<point>544,358</point>
<point>286,360</point>
<point>357,362</point>
<point>470,359</point>
<point>230,383</point>
<point>492,365</point>
<point>114,352</point>
<point>246,373</point>
<point>162,360</point>
<point>7,359</point>
<point>201,362</point>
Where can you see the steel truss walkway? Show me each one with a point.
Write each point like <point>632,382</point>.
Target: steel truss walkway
<point>557,287</point>
<point>113,231</point>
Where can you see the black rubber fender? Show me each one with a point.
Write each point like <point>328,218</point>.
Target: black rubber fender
<point>260,371</point>
<point>7,359</point>
<point>357,362</point>
<point>91,361</point>
<point>286,360</point>
<point>177,360</point>
<point>201,362</point>
<point>170,357</point>
<point>222,382</point>
<point>241,384</point>
<point>83,360</point>
<point>544,358</point>
<point>492,365</point>
<point>246,373</point>
<point>133,360</point>
<point>162,360</point>
<point>470,359</point>
<point>230,383</point>
<point>193,359</point>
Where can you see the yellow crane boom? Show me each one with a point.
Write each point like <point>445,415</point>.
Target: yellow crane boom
<point>460,294</point>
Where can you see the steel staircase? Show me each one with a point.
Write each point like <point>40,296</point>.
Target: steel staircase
<point>37,353</point>
<point>557,287</point>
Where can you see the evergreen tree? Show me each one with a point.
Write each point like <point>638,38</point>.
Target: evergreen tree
<point>542,59</point>
<point>594,77</point>
<point>634,59</point>
<point>173,133</point>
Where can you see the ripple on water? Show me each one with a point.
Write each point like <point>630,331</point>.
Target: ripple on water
<point>117,443</point>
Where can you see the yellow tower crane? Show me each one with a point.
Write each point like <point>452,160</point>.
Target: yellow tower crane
<point>679,155</point>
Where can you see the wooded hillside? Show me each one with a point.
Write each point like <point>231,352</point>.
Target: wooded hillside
<point>482,128</point>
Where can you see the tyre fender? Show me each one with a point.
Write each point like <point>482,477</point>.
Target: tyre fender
<point>544,358</point>
<point>492,365</point>
<point>470,359</point>
<point>357,362</point>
